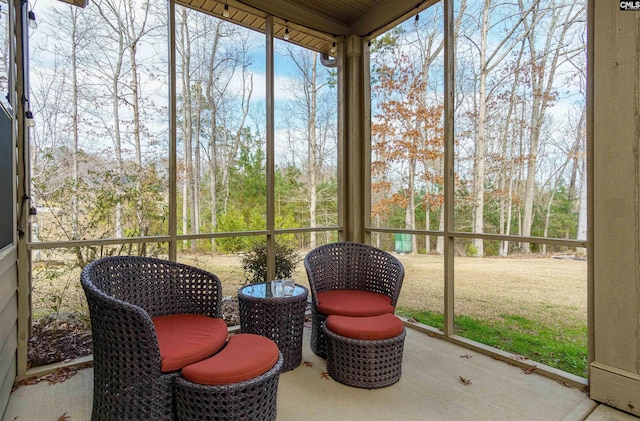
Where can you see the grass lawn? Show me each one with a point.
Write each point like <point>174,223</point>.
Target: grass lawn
<point>560,345</point>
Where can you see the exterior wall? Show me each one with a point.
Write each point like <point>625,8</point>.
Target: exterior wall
<point>8,323</point>
<point>615,370</point>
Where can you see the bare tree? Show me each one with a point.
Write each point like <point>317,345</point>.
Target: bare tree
<point>311,89</point>
<point>110,65</point>
<point>544,66</point>
<point>184,42</point>
<point>490,56</point>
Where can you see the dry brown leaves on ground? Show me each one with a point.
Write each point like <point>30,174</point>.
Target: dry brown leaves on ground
<point>58,339</point>
<point>57,376</point>
<point>230,313</point>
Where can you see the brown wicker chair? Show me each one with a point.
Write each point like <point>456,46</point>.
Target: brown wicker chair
<point>348,266</point>
<point>123,294</point>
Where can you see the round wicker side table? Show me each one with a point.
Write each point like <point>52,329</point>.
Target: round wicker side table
<point>278,318</point>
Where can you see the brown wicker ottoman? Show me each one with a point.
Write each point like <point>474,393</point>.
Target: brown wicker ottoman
<point>238,383</point>
<point>365,352</point>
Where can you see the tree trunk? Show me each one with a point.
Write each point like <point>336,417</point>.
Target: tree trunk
<point>312,150</point>
<point>75,201</point>
<point>196,168</point>
<point>212,100</point>
<point>506,169</point>
<point>133,38</point>
<point>479,161</point>
<point>185,46</point>
<point>543,89</point>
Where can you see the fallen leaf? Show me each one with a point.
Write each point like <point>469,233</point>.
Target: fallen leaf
<point>465,381</point>
<point>529,370</point>
<point>307,364</point>
<point>412,320</point>
<point>519,357</point>
<point>57,376</point>
<point>64,417</point>
<point>61,375</point>
<point>466,356</point>
<point>325,375</point>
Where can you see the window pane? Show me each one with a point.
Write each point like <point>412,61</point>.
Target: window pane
<point>306,110</point>
<point>533,307</point>
<point>60,328</point>
<point>5,44</point>
<point>290,253</point>
<point>520,115</point>
<point>422,294</point>
<point>407,104</point>
<point>221,125</point>
<point>225,265</point>
<point>99,148</point>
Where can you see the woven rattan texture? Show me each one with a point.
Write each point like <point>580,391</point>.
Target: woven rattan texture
<point>254,399</point>
<point>348,265</point>
<point>280,319</point>
<point>123,293</point>
<point>368,364</point>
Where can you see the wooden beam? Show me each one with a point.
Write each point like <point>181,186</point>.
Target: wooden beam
<point>271,224</point>
<point>449,165</point>
<point>387,15</point>
<point>354,138</point>
<point>284,9</point>
<point>173,134</point>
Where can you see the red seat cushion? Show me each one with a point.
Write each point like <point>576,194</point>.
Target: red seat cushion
<point>384,326</point>
<point>353,302</point>
<point>188,338</point>
<point>245,357</point>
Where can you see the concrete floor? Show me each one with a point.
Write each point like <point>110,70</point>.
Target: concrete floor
<point>430,389</point>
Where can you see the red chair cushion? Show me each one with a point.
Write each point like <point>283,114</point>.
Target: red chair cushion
<point>354,302</point>
<point>375,327</point>
<point>245,357</point>
<point>188,338</point>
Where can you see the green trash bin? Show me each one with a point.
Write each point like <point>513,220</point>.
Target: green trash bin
<point>403,243</point>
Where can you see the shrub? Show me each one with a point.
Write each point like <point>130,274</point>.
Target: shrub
<point>254,263</point>
<point>471,250</point>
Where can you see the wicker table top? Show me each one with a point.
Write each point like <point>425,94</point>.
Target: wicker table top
<point>278,318</point>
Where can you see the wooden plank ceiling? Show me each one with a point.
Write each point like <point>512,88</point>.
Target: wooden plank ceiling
<point>314,24</point>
